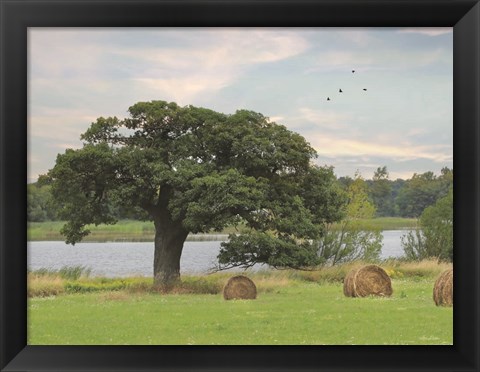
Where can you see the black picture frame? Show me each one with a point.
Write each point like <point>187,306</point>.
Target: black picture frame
<point>18,15</point>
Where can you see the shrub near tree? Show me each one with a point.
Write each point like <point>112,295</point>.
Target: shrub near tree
<point>351,239</point>
<point>195,170</point>
<point>434,238</point>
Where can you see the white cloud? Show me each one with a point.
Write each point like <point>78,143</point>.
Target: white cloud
<point>324,119</point>
<point>186,72</point>
<point>330,145</point>
<point>59,124</point>
<point>189,73</point>
<point>181,90</point>
<point>276,119</point>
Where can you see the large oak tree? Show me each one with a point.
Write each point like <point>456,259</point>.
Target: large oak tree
<point>193,170</point>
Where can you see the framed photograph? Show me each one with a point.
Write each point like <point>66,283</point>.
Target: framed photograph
<point>46,44</point>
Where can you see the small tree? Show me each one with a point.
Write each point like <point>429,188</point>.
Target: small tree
<point>434,238</point>
<point>195,170</point>
<point>352,238</point>
<point>380,191</point>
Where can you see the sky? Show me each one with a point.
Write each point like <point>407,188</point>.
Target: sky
<point>404,120</point>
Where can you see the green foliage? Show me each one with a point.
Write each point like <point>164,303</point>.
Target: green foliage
<point>421,191</point>
<point>86,287</point>
<point>380,193</point>
<point>434,238</point>
<point>282,231</point>
<point>359,205</point>
<point>254,247</point>
<point>349,244</point>
<point>350,239</point>
<point>40,206</point>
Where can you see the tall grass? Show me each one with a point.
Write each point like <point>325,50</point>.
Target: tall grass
<point>44,286</point>
<point>66,272</point>
<point>46,282</point>
<point>428,268</point>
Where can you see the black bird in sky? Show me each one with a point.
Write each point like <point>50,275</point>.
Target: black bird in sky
<point>340,91</point>
<point>364,89</point>
<point>353,71</point>
<point>328,98</point>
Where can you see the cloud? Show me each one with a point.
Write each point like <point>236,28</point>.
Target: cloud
<point>341,60</point>
<point>183,71</point>
<point>189,73</point>
<point>389,59</point>
<point>428,31</point>
<point>276,119</point>
<point>324,119</point>
<point>181,90</point>
<point>60,125</point>
<point>333,146</point>
<point>77,75</point>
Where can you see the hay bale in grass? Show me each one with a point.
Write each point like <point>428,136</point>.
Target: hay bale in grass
<point>443,289</point>
<point>367,280</point>
<point>240,287</point>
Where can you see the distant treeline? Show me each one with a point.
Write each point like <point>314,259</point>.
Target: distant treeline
<point>405,198</point>
<point>391,198</point>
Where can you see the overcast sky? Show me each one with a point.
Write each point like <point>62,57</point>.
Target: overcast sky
<point>404,120</point>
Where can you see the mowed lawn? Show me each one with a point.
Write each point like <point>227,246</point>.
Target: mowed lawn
<point>301,313</point>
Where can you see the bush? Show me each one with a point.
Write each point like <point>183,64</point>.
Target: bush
<point>350,243</point>
<point>352,239</point>
<point>435,236</point>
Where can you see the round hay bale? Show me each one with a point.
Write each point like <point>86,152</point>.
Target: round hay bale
<point>367,280</point>
<point>240,287</point>
<point>443,289</point>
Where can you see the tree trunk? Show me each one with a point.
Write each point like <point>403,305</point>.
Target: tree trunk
<point>169,239</point>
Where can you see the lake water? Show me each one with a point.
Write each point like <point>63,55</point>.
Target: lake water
<point>113,259</point>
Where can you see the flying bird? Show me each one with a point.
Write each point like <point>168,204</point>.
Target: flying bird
<point>340,91</point>
<point>328,98</point>
<point>364,89</point>
<point>353,71</point>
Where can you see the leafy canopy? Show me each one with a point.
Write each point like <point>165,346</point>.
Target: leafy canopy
<point>201,170</point>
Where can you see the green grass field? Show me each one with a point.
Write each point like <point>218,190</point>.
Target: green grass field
<point>292,308</point>
<point>129,230</point>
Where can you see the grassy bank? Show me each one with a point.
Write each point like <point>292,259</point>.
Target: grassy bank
<point>292,307</point>
<point>129,230</point>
